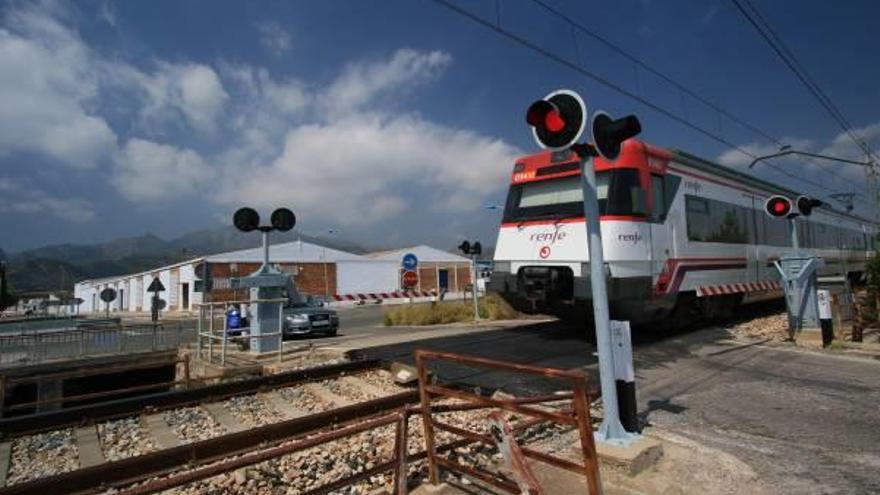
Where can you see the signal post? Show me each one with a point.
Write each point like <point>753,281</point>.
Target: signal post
<point>558,121</point>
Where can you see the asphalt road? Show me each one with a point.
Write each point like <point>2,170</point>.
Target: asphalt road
<point>805,421</point>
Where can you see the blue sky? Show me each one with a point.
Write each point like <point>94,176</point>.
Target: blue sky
<point>390,122</point>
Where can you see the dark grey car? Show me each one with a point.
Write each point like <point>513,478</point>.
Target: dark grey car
<point>309,318</point>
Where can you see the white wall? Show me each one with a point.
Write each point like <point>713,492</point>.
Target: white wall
<point>366,276</point>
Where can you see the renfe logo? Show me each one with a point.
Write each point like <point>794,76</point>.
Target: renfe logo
<point>633,238</point>
<point>548,237</point>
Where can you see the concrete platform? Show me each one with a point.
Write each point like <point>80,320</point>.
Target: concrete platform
<point>632,459</point>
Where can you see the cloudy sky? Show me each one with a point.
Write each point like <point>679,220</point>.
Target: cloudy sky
<point>390,122</point>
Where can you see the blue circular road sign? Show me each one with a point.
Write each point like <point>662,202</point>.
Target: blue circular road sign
<point>410,262</point>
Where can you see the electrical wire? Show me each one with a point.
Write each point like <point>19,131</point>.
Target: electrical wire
<point>614,87</point>
<point>763,27</point>
<point>574,24</point>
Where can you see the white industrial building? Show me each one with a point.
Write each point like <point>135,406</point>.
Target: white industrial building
<point>317,270</point>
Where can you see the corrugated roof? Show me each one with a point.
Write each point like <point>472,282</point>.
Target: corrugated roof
<point>288,252</point>
<point>422,252</point>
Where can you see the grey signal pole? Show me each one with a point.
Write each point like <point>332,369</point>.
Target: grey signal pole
<point>611,430</point>
<point>474,287</point>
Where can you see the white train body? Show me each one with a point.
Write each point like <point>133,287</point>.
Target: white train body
<point>675,229</point>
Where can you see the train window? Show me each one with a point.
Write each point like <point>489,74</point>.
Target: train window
<point>551,192</point>
<point>620,192</point>
<point>776,231</point>
<point>716,221</point>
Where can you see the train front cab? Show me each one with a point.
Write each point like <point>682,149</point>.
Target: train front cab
<point>541,257</point>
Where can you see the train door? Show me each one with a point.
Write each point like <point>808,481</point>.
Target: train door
<point>661,225</point>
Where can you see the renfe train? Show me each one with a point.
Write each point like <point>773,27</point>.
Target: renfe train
<point>681,235</point>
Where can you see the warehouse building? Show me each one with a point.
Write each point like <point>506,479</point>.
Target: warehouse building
<point>317,270</point>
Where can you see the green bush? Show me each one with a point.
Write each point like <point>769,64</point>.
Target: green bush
<point>873,272</point>
<point>491,307</point>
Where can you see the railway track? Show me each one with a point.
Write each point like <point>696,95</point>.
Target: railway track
<point>81,449</point>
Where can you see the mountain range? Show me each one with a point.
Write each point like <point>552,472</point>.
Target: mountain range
<point>58,267</point>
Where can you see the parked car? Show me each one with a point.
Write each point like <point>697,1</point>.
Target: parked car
<point>309,318</point>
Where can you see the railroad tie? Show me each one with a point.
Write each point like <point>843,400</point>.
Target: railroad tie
<point>89,446</point>
<point>364,385</point>
<point>223,416</point>
<point>162,433</point>
<point>283,406</point>
<point>327,396</point>
<point>5,458</point>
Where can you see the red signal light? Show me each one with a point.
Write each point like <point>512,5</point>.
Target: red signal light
<point>778,206</point>
<point>554,122</point>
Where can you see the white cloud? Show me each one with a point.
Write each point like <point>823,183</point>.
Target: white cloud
<point>191,91</point>
<point>147,171</point>
<point>361,83</point>
<point>20,199</point>
<point>273,37</point>
<point>360,169</point>
<point>46,85</point>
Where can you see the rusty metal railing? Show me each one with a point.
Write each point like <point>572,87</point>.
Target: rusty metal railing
<point>577,416</point>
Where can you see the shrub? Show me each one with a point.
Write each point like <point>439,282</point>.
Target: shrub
<point>491,307</point>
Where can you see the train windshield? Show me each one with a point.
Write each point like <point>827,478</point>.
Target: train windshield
<point>619,192</point>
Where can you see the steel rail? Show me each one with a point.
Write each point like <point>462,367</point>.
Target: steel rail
<point>87,414</point>
<point>132,470</point>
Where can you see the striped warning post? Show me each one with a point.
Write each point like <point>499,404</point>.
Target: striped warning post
<point>379,296</point>
<point>719,290</point>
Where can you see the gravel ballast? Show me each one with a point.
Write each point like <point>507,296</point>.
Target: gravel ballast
<point>41,455</point>
<point>192,424</point>
<point>124,438</point>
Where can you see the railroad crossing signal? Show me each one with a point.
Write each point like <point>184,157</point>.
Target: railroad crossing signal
<point>777,206</point>
<point>806,204</point>
<point>608,133</point>
<point>558,120</point>
<point>475,249</point>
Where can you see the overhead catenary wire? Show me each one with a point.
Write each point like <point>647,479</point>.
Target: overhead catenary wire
<point>614,87</point>
<point>788,58</point>
<point>574,24</point>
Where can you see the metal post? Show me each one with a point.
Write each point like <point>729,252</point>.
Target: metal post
<point>186,370</point>
<point>794,236</point>
<point>225,336</point>
<point>474,287</point>
<point>211,332</point>
<point>400,453</point>
<point>611,430</point>
<point>265,248</point>
<point>199,332</point>
<point>280,331</point>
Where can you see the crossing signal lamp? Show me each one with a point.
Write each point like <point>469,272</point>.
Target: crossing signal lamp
<point>475,249</point>
<point>247,220</point>
<point>806,204</point>
<point>778,206</point>
<point>609,134</point>
<point>558,120</point>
